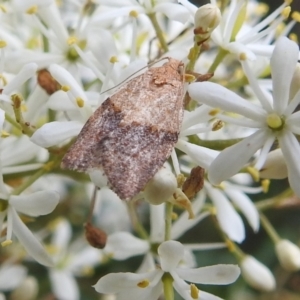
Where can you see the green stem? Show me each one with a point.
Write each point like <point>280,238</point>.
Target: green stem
<point>25,126</point>
<point>193,56</point>
<point>159,32</point>
<point>168,286</point>
<point>219,58</point>
<point>269,229</point>
<point>213,144</point>
<point>275,201</point>
<point>12,121</point>
<point>136,224</point>
<point>238,83</point>
<point>45,169</point>
<point>168,220</point>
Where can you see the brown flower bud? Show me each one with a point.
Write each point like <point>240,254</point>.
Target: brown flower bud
<point>95,236</point>
<point>194,182</point>
<point>47,82</point>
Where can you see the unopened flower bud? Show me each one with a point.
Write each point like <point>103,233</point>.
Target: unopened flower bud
<point>96,237</point>
<point>47,82</point>
<point>161,187</point>
<point>207,18</point>
<point>288,255</point>
<point>275,166</point>
<point>27,290</point>
<point>257,275</point>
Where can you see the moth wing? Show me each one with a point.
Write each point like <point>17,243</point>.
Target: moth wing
<point>80,157</point>
<point>132,155</point>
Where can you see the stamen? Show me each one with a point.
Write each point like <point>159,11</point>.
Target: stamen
<point>274,121</point>
<point>6,243</point>
<point>194,291</point>
<point>32,10</point>
<point>143,284</point>
<point>265,184</point>
<point>65,88</point>
<point>80,102</point>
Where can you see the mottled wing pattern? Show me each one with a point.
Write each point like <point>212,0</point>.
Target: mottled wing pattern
<point>132,133</point>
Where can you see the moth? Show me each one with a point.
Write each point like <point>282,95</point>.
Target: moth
<point>133,132</point>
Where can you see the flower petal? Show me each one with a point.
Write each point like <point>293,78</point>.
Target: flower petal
<point>230,221</point>
<point>128,285</point>
<point>215,95</point>
<point>201,155</point>
<point>54,133</point>
<point>173,11</point>
<point>26,72</point>
<point>170,253</point>
<point>11,276</point>
<point>291,150</point>
<point>28,240</point>
<point>233,158</point>
<point>121,245</point>
<point>283,64</point>
<point>218,274</point>
<point>245,205</point>
<point>64,285</point>
<point>36,204</point>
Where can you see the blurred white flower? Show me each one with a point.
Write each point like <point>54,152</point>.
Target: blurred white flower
<point>257,274</point>
<point>288,255</point>
<point>276,118</point>
<point>71,260</point>
<point>149,285</point>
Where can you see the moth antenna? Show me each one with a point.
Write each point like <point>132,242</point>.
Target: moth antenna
<point>123,81</point>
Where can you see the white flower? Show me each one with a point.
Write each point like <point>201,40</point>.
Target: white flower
<point>161,187</point>
<point>275,119</point>
<point>149,286</point>
<point>173,11</point>
<point>257,275</point>
<point>229,220</point>
<point>288,255</point>
<point>236,36</point>
<point>11,276</point>
<point>35,204</point>
<point>70,260</point>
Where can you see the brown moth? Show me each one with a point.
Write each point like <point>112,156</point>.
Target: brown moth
<point>133,132</point>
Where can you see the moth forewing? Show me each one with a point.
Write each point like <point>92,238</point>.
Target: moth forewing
<point>133,132</point>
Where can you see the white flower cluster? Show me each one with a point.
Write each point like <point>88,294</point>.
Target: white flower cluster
<point>60,60</point>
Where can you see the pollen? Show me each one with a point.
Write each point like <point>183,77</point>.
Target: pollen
<point>296,16</point>
<point>243,56</point>
<point>134,14</point>
<point>6,243</point>
<point>194,291</point>
<point>286,12</point>
<point>294,37</point>
<point>3,8</point>
<point>262,8</point>
<point>80,102</point>
<point>3,44</point>
<point>4,134</point>
<point>265,184</point>
<point>71,40</point>
<point>274,121</point>
<point>143,284</point>
<point>65,88</point>
<point>32,10</point>
<point>113,59</point>
<point>254,173</point>
<point>214,112</point>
